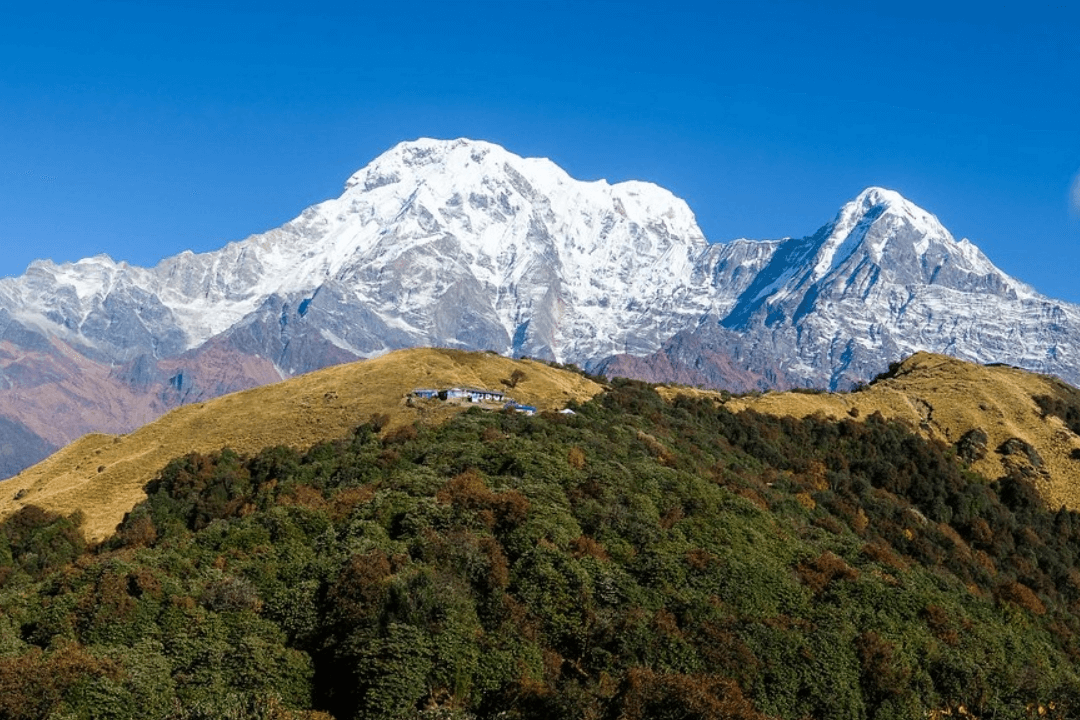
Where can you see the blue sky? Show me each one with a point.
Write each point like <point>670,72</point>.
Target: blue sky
<point>140,130</point>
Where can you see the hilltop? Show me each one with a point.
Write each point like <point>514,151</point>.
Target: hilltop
<point>991,414</point>
<point>103,475</point>
<point>1000,419</point>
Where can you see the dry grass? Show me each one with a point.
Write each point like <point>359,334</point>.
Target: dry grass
<point>670,392</point>
<point>104,475</point>
<point>938,396</point>
<point>943,398</point>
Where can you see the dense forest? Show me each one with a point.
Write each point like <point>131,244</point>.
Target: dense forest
<point>636,560</point>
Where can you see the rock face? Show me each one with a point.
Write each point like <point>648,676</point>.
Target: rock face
<point>463,244</point>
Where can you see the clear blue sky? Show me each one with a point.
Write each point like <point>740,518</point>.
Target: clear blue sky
<point>140,130</point>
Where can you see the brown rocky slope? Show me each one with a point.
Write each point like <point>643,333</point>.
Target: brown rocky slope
<point>51,394</point>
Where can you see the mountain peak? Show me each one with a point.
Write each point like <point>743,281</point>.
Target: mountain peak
<point>877,202</point>
<point>462,159</point>
<point>874,195</point>
<point>456,165</point>
<point>876,222</point>
<point>435,151</point>
<point>896,232</point>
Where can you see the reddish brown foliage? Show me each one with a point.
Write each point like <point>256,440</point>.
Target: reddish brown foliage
<point>752,496</point>
<point>343,503</point>
<point>468,491</point>
<point>700,559</point>
<point>361,586</point>
<point>648,694</point>
<point>727,654</point>
<point>881,552</point>
<point>34,684</point>
<point>400,435</point>
<point>980,532</point>
<point>939,622</point>
<point>499,568</point>
<point>304,496</point>
<point>787,623</point>
<point>828,522</point>
<point>586,546</point>
<point>985,562</point>
<point>1020,594</point>
<point>666,622</point>
<point>960,549</point>
<point>110,600</point>
<point>139,533</point>
<point>672,516</point>
<point>818,573</point>
<point>553,665</point>
<point>387,457</point>
<point>814,476</point>
<point>883,675</point>
<point>142,582</point>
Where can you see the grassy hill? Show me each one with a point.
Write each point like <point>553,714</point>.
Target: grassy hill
<point>103,475</point>
<point>945,399</point>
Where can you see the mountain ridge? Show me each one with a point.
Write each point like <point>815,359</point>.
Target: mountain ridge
<point>947,400</point>
<point>103,475</point>
<point>1008,411</point>
<point>463,244</point>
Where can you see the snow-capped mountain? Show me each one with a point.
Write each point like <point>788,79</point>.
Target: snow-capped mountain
<point>463,244</point>
<point>884,280</point>
<point>448,243</point>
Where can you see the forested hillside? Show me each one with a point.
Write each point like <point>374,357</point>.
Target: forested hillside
<point>638,559</point>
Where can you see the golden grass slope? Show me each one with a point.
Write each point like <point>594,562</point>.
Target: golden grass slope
<point>103,475</point>
<point>944,398</point>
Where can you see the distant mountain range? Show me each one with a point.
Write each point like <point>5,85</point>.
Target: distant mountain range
<point>462,244</point>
